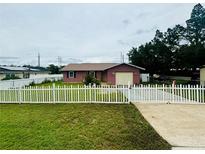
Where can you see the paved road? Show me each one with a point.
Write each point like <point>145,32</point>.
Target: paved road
<point>183,126</point>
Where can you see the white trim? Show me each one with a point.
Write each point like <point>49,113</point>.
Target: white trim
<point>128,65</point>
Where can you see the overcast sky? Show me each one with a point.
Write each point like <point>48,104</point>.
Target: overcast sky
<point>81,32</point>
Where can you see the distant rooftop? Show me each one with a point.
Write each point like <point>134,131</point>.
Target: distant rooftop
<point>14,68</point>
<point>18,68</point>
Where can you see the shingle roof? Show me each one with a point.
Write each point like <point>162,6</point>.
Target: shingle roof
<point>88,66</point>
<point>93,66</point>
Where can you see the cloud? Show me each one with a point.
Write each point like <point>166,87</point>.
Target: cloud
<point>126,22</point>
<point>144,31</point>
<point>121,42</point>
<point>142,15</point>
<point>8,58</point>
<point>80,32</point>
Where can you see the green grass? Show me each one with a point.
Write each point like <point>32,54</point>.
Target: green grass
<point>76,126</point>
<point>59,83</point>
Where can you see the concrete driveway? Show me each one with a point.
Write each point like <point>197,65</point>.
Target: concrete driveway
<point>182,125</point>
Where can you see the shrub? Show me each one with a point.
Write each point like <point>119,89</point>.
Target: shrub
<point>90,80</point>
<point>11,77</point>
<point>46,81</point>
<point>32,83</point>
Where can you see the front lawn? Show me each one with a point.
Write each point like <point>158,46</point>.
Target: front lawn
<point>76,126</point>
<point>58,83</point>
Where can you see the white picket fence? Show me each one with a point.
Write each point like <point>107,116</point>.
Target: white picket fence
<point>17,83</point>
<point>104,94</point>
<point>168,93</point>
<point>65,94</point>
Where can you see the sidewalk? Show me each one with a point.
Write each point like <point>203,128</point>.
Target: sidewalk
<point>183,126</point>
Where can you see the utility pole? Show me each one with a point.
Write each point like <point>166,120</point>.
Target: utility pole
<point>59,60</point>
<point>39,60</point>
<point>122,58</point>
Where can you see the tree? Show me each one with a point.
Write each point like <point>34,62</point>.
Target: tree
<point>192,56</point>
<point>180,48</point>
<point>196,25</point>
<point>155,56</point>
<point>173,37</point>
<point>53,69</point>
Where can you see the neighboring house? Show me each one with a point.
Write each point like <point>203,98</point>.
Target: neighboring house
<point>202,76</point>
<point>20,72</point>
<point>110,73</point>
<point>36,73</point>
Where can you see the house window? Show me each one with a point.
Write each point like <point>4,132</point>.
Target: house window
<point>71,74</point>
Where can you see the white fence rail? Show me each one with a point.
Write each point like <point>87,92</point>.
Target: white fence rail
<point>104,94</point>
<point>17,83</point>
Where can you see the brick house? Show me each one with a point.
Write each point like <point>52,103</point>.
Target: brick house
<point>110,73</point>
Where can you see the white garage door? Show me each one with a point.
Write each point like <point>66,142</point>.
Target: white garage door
<point>123,78</point>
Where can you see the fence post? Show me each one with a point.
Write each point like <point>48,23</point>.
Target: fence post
<point>149,92</point>
<point>156,92</point>
<point>71,93</point>
<point>64,89</point>
<point>163,93</point>
<point>134,98</point>
<point>13,83</point>
<point>197,93</point>
<point>54,95</point>
<point>78,94</point>
<point>189,93</point>
<point>172,93</point>
<point>20,95</point>
<point>90,87</point>
<point>129,92</point>
<point>181,94</point>
<point>85,99</point>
